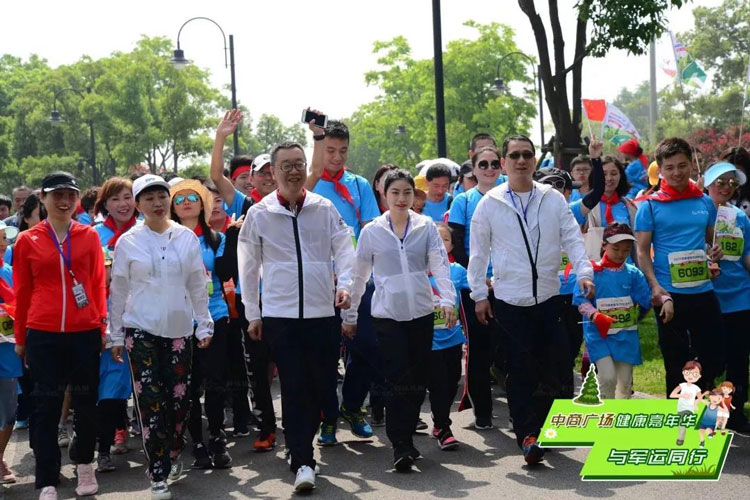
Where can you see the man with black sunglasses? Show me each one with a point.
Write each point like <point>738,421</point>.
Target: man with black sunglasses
<point>524,225</point>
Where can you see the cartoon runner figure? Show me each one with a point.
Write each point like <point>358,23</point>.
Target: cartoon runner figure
<point>687,392</point>
<point>708,420</point>
<point>727,389</point>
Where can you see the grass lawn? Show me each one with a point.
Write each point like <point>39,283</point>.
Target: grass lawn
<point>649,377</point>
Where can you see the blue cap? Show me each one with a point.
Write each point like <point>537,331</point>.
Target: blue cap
<point>718,169</point>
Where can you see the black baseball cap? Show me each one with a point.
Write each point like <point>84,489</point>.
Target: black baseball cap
<point>551,175</point>
<point>617,231</point>
<point>59,180</point>
<point>466,169</point>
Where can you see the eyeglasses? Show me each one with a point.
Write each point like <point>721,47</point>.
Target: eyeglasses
<point>287,167</point>
<point>557,182</point>
<point>732,183</point>
<point>527,155</point>
<point>180,198</point>
<point>484,164</point>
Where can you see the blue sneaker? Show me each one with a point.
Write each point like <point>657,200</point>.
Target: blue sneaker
<point>21,424</point>
<point>532,452</point>
<point>356,420</point>
<point>327,435</point>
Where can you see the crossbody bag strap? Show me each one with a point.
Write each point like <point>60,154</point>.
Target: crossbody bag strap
<point>534,273</point>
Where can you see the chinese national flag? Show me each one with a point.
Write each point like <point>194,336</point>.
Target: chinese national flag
<point>595,109</point>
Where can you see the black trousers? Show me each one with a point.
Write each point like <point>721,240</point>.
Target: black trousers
<point>210,374</point>
<point>56,360</point>
<point>404,348</point>
<point>483,349</point>
<point>112,416</point>
<point>537,364</point>
<point>304,350</point>
<point>445,372</point>
<point>695,333</point>
<point>260,360</point>
<point>737,328</point>
<point>572,325</point>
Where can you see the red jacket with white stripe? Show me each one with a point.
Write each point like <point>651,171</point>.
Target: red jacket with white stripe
<point>44,287</point>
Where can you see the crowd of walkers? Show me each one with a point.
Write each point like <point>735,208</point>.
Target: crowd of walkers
<point>188,296</point>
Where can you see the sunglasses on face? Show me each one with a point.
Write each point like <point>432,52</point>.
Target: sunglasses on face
<point>732,183</point>
<point>527,155</point>
<point>484,164</point>
<point>180,198</point>
<point>557,183</point>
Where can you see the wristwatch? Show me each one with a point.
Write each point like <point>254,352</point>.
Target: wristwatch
<point>319,137</point>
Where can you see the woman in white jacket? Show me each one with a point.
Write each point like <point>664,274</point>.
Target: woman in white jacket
<point>158,287</point>
<point>401,248</point>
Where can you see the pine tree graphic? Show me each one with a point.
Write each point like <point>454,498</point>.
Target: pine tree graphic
<point>589,390</point>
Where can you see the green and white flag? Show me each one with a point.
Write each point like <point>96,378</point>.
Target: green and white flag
<point>689,71</point>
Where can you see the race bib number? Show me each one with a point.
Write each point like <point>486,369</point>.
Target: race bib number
<point>564,260</point>
<point>728,236</point>
<point>688,269</point>
<point>6,325</point>
<point>622,310</point>
<point>438,315</point>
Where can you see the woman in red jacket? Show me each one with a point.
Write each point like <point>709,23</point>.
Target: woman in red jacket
<point>59,281</point>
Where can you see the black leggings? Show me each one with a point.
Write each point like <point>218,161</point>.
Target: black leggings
<point>210,373</point>
<point>113,416</point>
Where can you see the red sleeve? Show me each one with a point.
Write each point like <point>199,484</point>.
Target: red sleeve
<point>98,280</point>
<point>22,286</point>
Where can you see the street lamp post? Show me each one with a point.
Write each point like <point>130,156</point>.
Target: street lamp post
<point>500,87</point>
<point>55,118</point>
<point>439,93</point>
<point>179,61</point>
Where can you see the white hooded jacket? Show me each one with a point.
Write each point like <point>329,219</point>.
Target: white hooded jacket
<point>549,225</point>
<point>400,270</point>
<point>296,254</point>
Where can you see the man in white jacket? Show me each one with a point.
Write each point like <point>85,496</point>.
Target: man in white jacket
<point>294,235</point>
<point>524,224</point>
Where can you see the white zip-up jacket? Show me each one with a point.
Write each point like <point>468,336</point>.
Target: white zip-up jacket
<point>295,253</point>
<point>159,284</point>
<point>400,270</point>
<point>549,226</point>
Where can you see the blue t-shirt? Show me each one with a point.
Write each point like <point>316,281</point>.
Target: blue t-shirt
<point>443,338</point>
<point>678,227</point>
<point>458,189</point>
<point>619,212</point>
<point>10,364</point>
<point>235,209</point>
<point>462,210</point>
<point>436,209</point>
<point>216,304</point>
<point>575,195</point>
<point>567,286</point>
<point>637,176</point>
<point>8,257</point>
<point>732,286</point>
<point>362,196</point>
<point>84,218</point>
<point>618,293</point>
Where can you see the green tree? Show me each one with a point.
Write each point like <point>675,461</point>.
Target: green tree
<point>621,24</point>
<point>270,131</point>
<point>590,394</point>
<point>408,95</point>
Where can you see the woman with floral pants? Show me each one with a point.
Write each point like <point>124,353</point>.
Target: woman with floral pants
<point>158,286</point>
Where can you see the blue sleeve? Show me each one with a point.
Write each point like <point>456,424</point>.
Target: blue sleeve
<point>578,297</point>
<point>744,225</point>
<point>83,218</point>
<point>712,211</point>
<point>8,257</point>
<point>644,220</point>
<point>634,172</point>
<point>575,207</point>
<point>222,244</point>
<point>460,277</point>
<point>368,207</point>
<point>641,293</point>
<point>457,213</point>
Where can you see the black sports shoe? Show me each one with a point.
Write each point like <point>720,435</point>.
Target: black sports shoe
<point>200,454</point>
<point>217,447</point>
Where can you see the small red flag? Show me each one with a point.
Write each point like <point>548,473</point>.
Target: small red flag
<point>595,109</point>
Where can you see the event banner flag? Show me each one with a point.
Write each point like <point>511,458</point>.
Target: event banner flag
<point>636,439</point>
<point>688,70</point>
<point>616,119</point>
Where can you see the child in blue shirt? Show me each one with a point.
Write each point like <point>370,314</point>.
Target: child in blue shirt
<point>447,351</point>
<point>622,298</point>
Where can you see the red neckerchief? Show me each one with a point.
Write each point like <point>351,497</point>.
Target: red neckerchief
<point>668,193</point>
<point>198,230</point>
<point>340,188</point>
<point>227,221</point>
<point>255,195</point>
<point>451,258</point>
<point>605,263</point>
<point>611,201</point>
<point>8,296</point>
<point>109,222</point>
<point>285,204</point>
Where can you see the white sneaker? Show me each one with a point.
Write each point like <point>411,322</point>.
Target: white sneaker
<point>87,484</point>
<point>175,471</point>
<point>305,479</point>
<point>63,439</point>
<point>48,493</point>
<point>160,490</point>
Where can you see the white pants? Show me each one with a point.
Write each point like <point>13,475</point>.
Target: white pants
<point>615,378</point>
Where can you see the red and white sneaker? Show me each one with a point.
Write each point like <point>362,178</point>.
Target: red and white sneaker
<point>121,442</point>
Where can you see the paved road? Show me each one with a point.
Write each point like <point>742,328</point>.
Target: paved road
<point>487,466</point>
